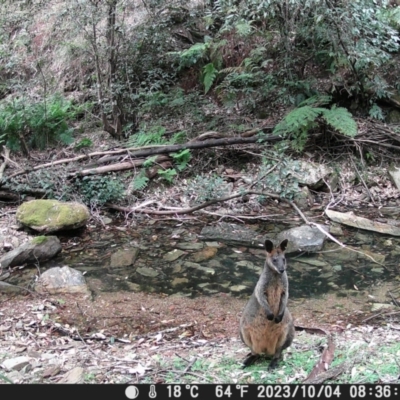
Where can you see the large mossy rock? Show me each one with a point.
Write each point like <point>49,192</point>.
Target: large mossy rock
<point>39,249</point>
<point>51,215</point>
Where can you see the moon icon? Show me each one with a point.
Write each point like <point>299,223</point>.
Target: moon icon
<point>131,392</point>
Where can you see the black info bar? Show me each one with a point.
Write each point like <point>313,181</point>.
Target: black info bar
<point>204,391</point>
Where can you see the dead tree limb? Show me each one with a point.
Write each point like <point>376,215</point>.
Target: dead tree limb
<point>146,151</point>
<point>117,167</point>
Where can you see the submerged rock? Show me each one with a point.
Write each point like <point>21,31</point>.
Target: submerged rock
<point>39,249</point>
<point>51,215</point>
<point>124,257</point>
<point>233,234</point>
<point>173,255</point>
<point>145,271</point>
<point>205,254</point>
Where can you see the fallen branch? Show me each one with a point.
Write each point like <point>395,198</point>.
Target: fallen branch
<point>117,167</point>
<point>140,152</point>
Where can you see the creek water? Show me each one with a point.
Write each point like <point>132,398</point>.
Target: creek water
<point>169,258</point>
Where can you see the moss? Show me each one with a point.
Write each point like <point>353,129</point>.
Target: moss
<point>39,239</point>
<point>52,213</point>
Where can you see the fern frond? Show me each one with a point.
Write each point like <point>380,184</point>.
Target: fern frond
<point>243,28</point>
<point>150,161</point>
<point>298,120</point>
<point>140,182</point>
<point>143,138</point>
<point>316,101</point>
<point>167,174</point>
<point>209,75</point>
<point>341,120</point>
<point>230,70</point>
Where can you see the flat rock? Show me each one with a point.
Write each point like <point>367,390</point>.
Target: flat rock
<point>62,280</point>
<point>303,238</point>
<point>15,364</point>
<point>351,219</point>
<point>9,288</point>
<point>179,281</point>
<point>312,261</point>
<point>190,245</point>
<point>39,249</point>
<point>207,270</point>
<point>173,255</point>
<point>145,271</point>
<point>51,215</point>
<point>237,288</point>
<point>124,257</point>
<point>205,254</point>
<point>335,253</point>
<point>232,234</point>
<point>75,375</point>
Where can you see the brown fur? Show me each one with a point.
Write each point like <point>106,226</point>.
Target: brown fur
<point>266,325</point>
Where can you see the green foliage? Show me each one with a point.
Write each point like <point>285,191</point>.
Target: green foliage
<point>299,121</point>
<point>182,159</point>
<point>85,142</point>
<point>281,179</point>
<point>150,161</point>
<point>376,112</point>
<point>167,174</point>
<point>192,55</point>
<point>340,119</point>
<point>154,135</point>
<point>209,75</point>
<point>97,190</point>
<point>140,181</point>
<point>38,123</point>
<point>148,137</point>
<point>204,188</point>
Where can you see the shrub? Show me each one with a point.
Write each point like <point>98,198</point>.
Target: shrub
<point>36,124</point>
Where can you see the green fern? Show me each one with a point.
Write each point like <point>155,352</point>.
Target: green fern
<point>209,75</point>
<point>147,138</point>
<point>341,120</point>
<point>299,121</point>
<point>167,174</point>
<point>140,181</point>
<point>191,55</point>
<point>178,137</point>
<point>150,161</point>
<point>182,159</point>
<point>316,101</point>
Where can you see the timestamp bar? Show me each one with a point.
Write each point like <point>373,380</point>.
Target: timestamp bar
<point>205,391</point>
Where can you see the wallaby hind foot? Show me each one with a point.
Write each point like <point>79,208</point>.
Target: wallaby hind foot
<point>250,359</point>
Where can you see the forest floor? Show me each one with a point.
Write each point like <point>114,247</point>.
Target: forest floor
<point>130,337</point>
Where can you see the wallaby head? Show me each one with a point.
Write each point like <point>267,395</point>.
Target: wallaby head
<point>276,256</point>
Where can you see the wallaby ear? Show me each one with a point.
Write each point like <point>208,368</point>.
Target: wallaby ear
<point>269,246</point>
<point>283,244</point>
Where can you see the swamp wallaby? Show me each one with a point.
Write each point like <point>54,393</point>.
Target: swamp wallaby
<point>266,325</point>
